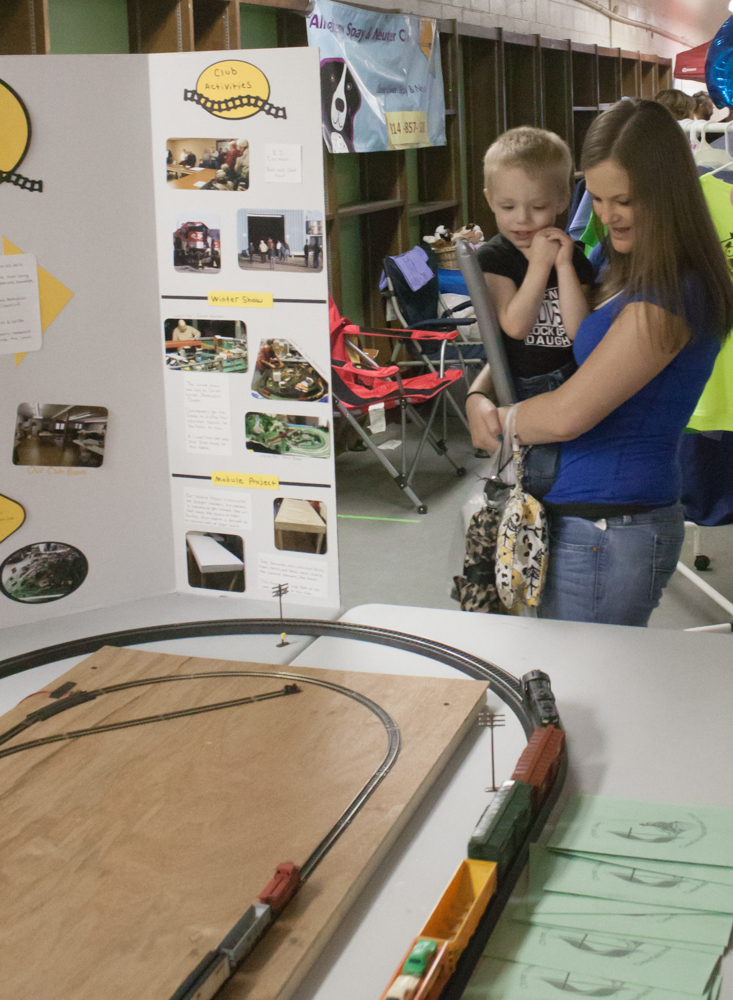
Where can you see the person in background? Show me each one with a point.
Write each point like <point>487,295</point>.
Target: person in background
<point>241,166</point>
<point>263,251</point>
<point>678,103</point>
<point>267,358</point>
<point>316,253</point>
<point>169,157</point>
<point>537,277</point>
<point>306,251</point>
<point>232,155</point>
<point>704,106</point>
<point>190,160</point>
<point>185,332</point>
<point>645,353</point>
<point>221,181</point>
<point>271,253</point>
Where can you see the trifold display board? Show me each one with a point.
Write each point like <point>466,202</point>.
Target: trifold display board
<point>172,428</point>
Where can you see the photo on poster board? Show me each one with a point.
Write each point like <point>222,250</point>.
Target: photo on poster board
<point>43,572</point>
<point>282,373</point>
<point>215,561</point>
<point>57,434</point>
<point>289,240</point>
<point>288,434</point>
<point>300,525</point>
<point>207,164</point>
<point>205,345</point>
<point>197,243</point>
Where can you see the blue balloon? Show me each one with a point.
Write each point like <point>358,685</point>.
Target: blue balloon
<point>719,67</point>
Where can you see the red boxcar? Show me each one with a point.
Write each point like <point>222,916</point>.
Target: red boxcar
<point>540,761</point>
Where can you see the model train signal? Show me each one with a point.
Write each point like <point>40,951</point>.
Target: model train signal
<point>279,591</point>
<point>491,720</point>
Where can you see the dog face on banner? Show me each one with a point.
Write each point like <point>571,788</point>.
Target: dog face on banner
<point>341,100</point>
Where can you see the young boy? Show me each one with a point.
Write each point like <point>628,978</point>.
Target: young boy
<point>537,277</point>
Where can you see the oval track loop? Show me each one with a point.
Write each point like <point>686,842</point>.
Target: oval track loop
<point>507,687</point>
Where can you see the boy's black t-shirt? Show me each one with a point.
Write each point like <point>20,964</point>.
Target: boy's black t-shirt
<point>547,347</point>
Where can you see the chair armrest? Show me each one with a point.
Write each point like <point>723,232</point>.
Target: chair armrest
<point>388,372</point>
<point>417,334</point>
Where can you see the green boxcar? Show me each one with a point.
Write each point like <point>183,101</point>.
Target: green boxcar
<point>503,825</point>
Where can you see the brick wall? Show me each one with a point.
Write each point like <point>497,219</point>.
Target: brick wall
<point>572,19</point>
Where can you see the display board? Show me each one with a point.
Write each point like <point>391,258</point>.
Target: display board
<point>134,843</point>
<point>165,413</point>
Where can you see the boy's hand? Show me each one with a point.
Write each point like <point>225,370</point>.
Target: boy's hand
<point>483,420</point>
<point>544,248</point>
<point>566,246</point>
<point>563,243</point>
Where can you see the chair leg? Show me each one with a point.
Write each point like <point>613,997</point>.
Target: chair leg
<point>399,477</point>
<point>425,435</point>
<point>438,446</point>
<point>451,400</point>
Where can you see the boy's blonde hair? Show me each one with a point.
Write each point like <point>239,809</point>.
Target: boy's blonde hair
<point>534,150</point>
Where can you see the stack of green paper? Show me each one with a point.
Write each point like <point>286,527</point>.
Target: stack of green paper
<point>628,900</point>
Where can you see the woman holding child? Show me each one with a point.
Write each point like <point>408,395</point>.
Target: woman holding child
<point>645,352</point>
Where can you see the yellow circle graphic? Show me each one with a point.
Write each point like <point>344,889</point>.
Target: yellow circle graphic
<point>233,89</point>
<point>15,129</point>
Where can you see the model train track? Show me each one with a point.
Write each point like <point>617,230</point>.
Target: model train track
<point>394,740</point>
<point>502,683</point>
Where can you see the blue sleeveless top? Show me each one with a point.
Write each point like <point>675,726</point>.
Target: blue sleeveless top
<point>630,457</point>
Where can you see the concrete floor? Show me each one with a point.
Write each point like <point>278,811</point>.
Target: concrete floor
<point>390,554</point>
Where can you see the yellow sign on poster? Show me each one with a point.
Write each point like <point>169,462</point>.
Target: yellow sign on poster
<point>53,294</point>
<point>12,516</point>
<point>233,78</point>
<point>407,128</point>
<point>233,89</point>
<point>244,300</point>
<point>249,480</point>
<point>15,135</point>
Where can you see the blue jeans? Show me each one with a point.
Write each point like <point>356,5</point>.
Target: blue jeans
<point>543,460</point>
<point>613,571</point>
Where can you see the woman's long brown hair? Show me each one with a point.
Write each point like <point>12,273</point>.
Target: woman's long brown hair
<point>674,236</point>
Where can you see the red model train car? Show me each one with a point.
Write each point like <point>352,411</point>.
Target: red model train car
<point>282,887</point>
<point>540,762</point>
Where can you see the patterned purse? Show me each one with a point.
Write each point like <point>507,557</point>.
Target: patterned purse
<point>522,544</point>
<point>476,588</point>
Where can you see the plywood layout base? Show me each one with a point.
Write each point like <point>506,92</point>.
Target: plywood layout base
<point>126,855</point>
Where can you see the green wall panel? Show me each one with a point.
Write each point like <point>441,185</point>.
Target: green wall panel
<point>88,26</point>
<point>351,276</point>
<point>258,27</point>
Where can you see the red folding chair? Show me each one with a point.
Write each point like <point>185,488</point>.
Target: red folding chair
<point>358,387</point>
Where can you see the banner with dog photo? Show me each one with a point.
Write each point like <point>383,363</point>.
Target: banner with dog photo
<point>381,79</point>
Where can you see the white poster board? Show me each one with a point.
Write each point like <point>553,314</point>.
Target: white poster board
<point>142,456</point>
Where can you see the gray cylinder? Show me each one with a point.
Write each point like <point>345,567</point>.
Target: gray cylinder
<point>488,323</point>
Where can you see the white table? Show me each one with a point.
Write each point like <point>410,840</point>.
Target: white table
<point>210,555</point>
<point>647,714</point>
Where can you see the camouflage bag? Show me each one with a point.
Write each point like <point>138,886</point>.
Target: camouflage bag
<point>476,589</point>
